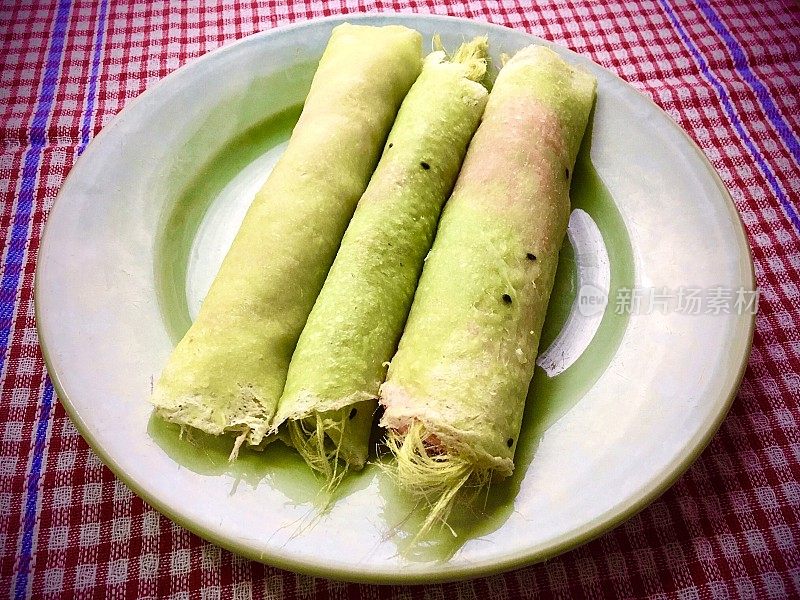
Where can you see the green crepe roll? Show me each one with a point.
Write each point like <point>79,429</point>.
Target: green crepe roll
<point>340,360</point>
<point>228,371</point>
<point>455,391</point>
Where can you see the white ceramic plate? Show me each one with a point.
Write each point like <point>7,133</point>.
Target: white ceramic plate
<point>147,213</point>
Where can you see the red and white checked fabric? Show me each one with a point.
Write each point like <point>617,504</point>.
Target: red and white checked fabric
<point>727,71</point>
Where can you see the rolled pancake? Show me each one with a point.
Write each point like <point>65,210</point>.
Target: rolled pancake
<point>340,360</point>
<point>228,371</point>
<point>455,391</point>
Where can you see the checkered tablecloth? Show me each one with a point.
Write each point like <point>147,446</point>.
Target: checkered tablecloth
<point>727,71</point>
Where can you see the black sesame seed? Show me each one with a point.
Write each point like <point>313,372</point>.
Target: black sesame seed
<point>531,256</point>
<point>390,145</point>
<point>506,298</point>
<point>424,165</point>
<point>566,173</point>
<point>510,442</point>
<point>353,413</point>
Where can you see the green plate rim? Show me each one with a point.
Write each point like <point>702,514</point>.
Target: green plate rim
<point>440,573</point>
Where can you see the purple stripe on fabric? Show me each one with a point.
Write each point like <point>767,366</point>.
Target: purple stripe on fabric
<point>741,65</point>
<point>10,283</point>
<point>730,111</point>
<point>86,125</point>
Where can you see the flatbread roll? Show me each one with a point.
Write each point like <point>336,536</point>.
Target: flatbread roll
<point>455,390</point>
<point>228,372</point>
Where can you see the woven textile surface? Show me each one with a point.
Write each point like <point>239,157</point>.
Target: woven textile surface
<point>728,72</point>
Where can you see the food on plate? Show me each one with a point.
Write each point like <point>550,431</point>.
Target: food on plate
<point>455,391</point>
<point>228,371</point>
<point>330,398</point>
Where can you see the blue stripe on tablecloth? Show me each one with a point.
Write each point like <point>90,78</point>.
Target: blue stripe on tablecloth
<point>730,111</point>
<point>764,97</point>
<point>86,126</point>
<point>32,489</point>
<point>11,277</point>
<point>12,267</point>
